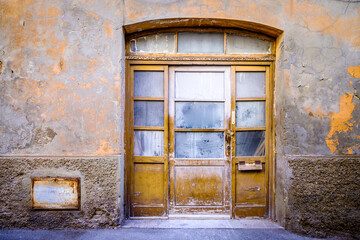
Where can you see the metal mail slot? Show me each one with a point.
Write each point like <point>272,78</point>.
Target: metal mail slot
<point>256,166</point>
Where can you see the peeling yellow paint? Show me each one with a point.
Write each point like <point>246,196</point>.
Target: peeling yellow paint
<point>105,148</point>
<point>318,111</point>
<point>104,80</point>
<point>354,71</point>
<point>351,150</point>
<point>340,122</point>
<point>287,78</point>
<point>320,19</point>
<point>59,67</point>
<point>87,85</point>
<point>93,15</point>
<point>108,30</point>
<point>46,13</point>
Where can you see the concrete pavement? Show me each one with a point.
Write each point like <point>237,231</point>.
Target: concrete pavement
<point>166,229</point>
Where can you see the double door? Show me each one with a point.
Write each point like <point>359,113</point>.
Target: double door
<point>197,140</point>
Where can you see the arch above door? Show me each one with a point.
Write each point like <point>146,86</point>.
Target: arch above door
<point>202,22</point>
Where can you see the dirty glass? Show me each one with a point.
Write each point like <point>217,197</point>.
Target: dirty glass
<point>148,114</point>
<point>199,144</point>
<point>199,115</point>
<point>157,43</point>
<point>148,84</point>
<point>250,143</point>
<point>237,44</point>
<point>148,143</point>
<point>200,42</point>
<point>250,84</point>
<point>250,114</point>
<point>199,85</point>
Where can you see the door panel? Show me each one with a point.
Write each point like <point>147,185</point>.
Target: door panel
<point>149,141</point>
<point>149,184</point>
<point>199,111</point>
<point>250,189</point>
<point>148,193</point>
<point>199,185</point>
<point>250,141</point>
<point>250,196</point>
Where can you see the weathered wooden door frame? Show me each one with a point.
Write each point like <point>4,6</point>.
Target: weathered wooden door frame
<point>270,166</point>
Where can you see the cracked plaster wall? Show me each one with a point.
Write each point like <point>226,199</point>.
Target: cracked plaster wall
<point>62,71</point>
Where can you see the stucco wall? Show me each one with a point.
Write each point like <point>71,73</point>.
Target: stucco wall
<point>62,77</point>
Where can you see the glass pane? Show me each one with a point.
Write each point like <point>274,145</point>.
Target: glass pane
<point>148,114</point>
<point>199,85</point>
<point>200,42</point>
<point>237,44</point>
<point>250,84</point>
<point>199,144</point>
<point>250,114</point>
<point>148,143</point>
<point>250,143</point>
<point>157,43</point>
<point>148,84</point>
<point>199,115</point>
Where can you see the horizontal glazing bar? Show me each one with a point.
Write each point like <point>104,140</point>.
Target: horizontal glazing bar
<point>197,100</point>
<point>250,128</point>
<point>155,160</point>
<point>250,99</point>
<point>148,98</point>
<point>197,130</point>
<point>149,128</point>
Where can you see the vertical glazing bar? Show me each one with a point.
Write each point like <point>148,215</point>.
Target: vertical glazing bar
<point>227,129</point>
<point>225,42</point>
<point>272,143</point>
<point>171,91</point>
<point>267,136</point>
<point>131,127</point>
<point>166,138</point>
<point>232,127</point>
<point>176,42</point>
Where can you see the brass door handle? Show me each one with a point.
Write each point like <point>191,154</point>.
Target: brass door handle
<point>228,135</point>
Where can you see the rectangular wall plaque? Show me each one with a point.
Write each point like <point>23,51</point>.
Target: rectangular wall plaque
<point>55,193</point>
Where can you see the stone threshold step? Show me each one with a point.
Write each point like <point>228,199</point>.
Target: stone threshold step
<point>202,223</point>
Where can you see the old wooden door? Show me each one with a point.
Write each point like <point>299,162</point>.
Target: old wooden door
<point>199,140</point>
<point>199,153</point>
